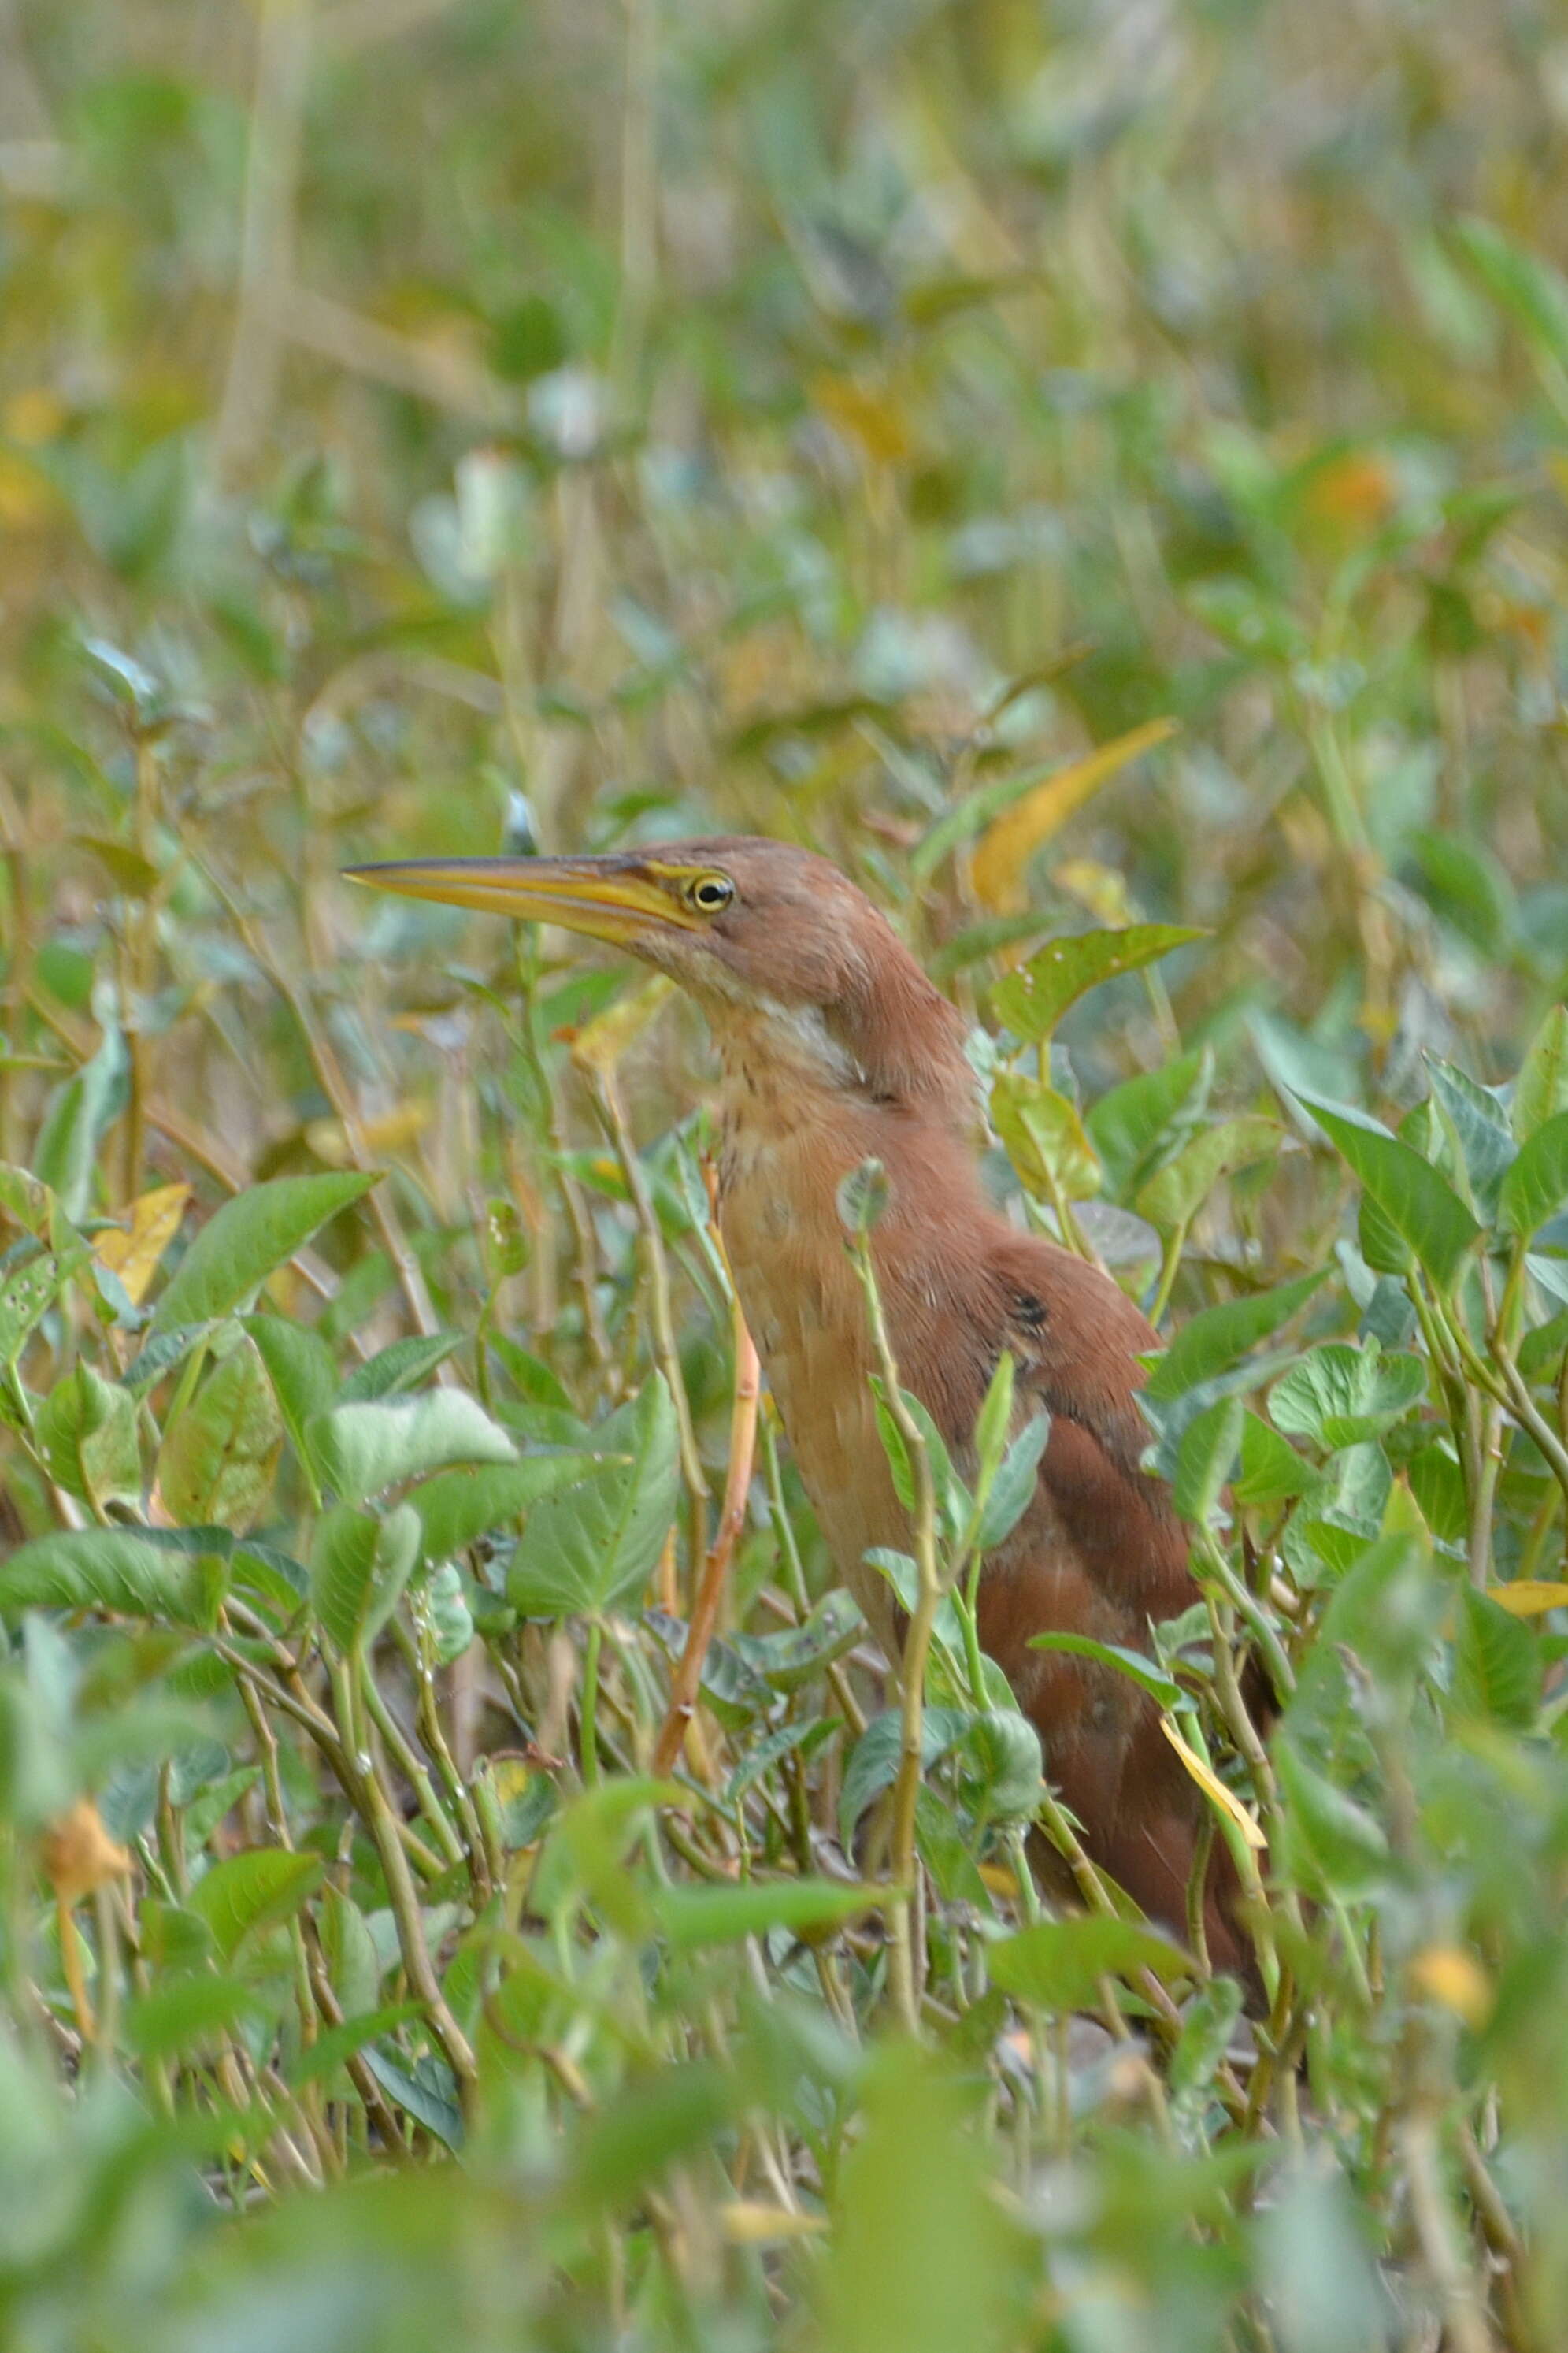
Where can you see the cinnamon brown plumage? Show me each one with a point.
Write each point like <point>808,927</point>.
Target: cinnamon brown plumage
<point>836,1047</point>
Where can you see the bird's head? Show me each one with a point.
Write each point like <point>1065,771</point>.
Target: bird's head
<point>787,958</point>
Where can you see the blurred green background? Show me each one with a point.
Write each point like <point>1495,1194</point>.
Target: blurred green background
<point>457,425</point>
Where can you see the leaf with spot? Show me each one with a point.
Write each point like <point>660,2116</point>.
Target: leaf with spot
<point>1032,1000</point>
<point>219,1454</point>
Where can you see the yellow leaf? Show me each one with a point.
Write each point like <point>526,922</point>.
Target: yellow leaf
<point>1449,1974</point>
<point>600,1043</point>
<point>1213,1787</point>
<point>390,1133</point>
<point>1527,1596</point>
<point>1005,847</point>
<point>78,1854</point>
<point>133,1254</point>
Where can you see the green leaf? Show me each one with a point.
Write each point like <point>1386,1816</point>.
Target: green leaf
<point>1342,1396</point>
<point>322,2058</point>
<point>360,1450</point>
<point>693,1917</point>
<point>1536,1187</point>
<point>1148,1119</point>
<point>1525,285</point>
<point>874,1761</point>
<point>1002,1764</point>
<point>1173,1196</point>
<point>1421,1206</point>
<point>1468,888</point>
<point>1206,1459</point>
<point>179,2015</point>
<point>1497,1663</point>
<point>1335,1846</point>
<point>217,1464</point>
<point>359,1566</point>
<point>79,1115</point>
<point>592,1547</point>
<point>456,1507</point>
<point>921,2260</point>
<point>994,1422</point>
<point>399,1366</point>
<point>1214,1338</point>
<point>1480,1130</point>
<point>300,1366</point>
<point>1045,1138</point>
<point>247,1894</point>
<point>1162,1688</point>
<point>28,1292</point>
<point>1057,1964</point>
<point>241,1244</point>
<point>125,1570</point>
<point>1032,1000</point>
<point>790,1659</point>
<point>86,1431</point>
<point>1013,1488</point>
<point>1270,1471</point>
<point>425,2088</point>
<point>1541,1090</point>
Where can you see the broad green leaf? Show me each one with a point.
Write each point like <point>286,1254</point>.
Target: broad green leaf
<point>1002,1764</point>
<point>1480,1127</point>
<point>693,1917</point>
<point>399,1366</point>
<point>792,1657</point>
<point>1032,1000</point>
<point>1466,886</point>
<point>592,1546</point>
<point>1270,1472</point>
<point>994,1420</point>
<point>1340,1395</point>
<point>1334,1846</point>
<point>456,1507</point>
<point>874,1762</point>
<point>244,1240</point>
<point>922,2259</point>
<point>86,1431</point>
<point>1541,1090</point>
<point>1536,1187</point>
<point>247,1894</point>
<point>217,1464</point>
<point>1045,1138</point>
<point>1420,1206</point>
<point>179,2014</point>
<point>1057,1964</point>
<point>1206,1458</point>
<point>28,1292</point>
<point>1175,1194</point>
<point>362,1448</point>
<point>424,2087</point>
<point>1162,1688</point>
<point>299,1365</point>
<point>125,1570</point>
<point>1497,1663</point>
<point>1148,1119</point>
<point>1214,1337</point>
<point>359,1566</point>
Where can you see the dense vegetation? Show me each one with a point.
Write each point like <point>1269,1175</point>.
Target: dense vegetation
<point>1100,474</point>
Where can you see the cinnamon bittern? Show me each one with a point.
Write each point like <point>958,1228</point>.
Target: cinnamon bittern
<point>836,1048</point>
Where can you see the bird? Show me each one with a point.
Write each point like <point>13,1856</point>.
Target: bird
<point>835,1048</point>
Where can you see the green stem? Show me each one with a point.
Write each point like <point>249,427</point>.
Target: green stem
<point>590,1715</point>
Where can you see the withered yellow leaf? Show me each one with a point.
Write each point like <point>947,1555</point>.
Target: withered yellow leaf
<point>132,1253</point>
<point>1005,847</point>
<point>1528,1596</point>
<point>1213,1787</point>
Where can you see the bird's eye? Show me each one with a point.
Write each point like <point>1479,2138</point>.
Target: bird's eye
<point>709,893</point>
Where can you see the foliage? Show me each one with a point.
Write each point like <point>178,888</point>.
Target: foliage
<point>1099,473</point>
